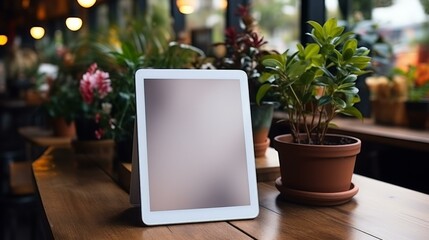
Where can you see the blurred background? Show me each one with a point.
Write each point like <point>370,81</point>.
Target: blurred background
<point>38,41</point>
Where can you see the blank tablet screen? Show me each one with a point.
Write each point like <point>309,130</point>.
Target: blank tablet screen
<point>196,140</point>
<point>196,153</point>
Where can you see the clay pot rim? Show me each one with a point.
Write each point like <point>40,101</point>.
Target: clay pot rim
<point>265,143</point>
<point>278,139</point>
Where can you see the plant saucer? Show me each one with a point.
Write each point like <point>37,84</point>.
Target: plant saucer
<point>316,198</point>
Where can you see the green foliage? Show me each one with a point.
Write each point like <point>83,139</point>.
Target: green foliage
<point>145,44</point>
<point>63,101</point>
<point>417,88</point>
<point>64,97</point>
<point>318,81</point>
<point>244,51</point>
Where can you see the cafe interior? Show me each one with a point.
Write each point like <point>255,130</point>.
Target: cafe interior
<point>49,48</point>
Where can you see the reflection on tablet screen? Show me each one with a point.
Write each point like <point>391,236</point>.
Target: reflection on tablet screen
<point>203,164</point>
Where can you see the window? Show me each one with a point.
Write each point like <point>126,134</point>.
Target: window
<point>279,22</point>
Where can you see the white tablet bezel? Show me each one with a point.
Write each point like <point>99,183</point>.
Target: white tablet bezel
<point>200,214</point>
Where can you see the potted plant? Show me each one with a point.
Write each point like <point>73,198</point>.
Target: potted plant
<point>417,104</point>
<point>388,96</point>
<point>244,50</point>
<point>60,108</point>
<point>94,143</point>
<point>146,43</point>
<point>64,100</point>
<point>315,84</point>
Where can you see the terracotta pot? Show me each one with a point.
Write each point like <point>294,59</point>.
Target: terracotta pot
<point>262,116</point>
<point>63,129</point>
<point>317,168</point>
<point>389,112</point>
<point>261,148</point>
<point>418,114</point>
<point>35,98</point>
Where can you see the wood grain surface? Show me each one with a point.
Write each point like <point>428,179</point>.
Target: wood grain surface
<point>86,203</point>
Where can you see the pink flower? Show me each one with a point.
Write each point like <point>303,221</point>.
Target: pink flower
<point>94,82</point>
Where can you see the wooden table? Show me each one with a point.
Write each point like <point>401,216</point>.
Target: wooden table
<point>86,203</point>
<point>267,167</point>
<point>40,137</point>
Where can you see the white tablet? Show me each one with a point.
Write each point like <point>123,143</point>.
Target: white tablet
<point>195,150</point>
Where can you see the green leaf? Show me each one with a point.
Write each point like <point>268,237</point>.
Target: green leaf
<point>318,29</point>
<point>317,39</point>
<point>300,47</point>
<point>325,100</point>
<point>346,85</point>
<point>339,102</point>
<point>338,55</point>
<point>327,49</point>
<point>350,79</point>
<point>360,59</point>
<point>324,80</point>
<point>352,111</point>
<point>317,60</point>
<point>347,54</point>
<point>355,99</point>
<point>349,91</point>
<point>266,78</point>
<point>362,51</point>
<point>262,91</point>
<point>307,77</point>
<point>350,44</point>
<point>272,62</point>
<point>337,31</point>
<point>344,37</point>
<point>360,62</point>
<point>311,50</point>
<point>298,68</point>
<point>329,27</point>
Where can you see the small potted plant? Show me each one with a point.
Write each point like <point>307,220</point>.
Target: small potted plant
<point>94,143</point>
<point>145,43</point>
<point>315,84</point>
<point>417,104</point>
<point>63,95</point>
<point>244,50</point>
<point>388,95</point>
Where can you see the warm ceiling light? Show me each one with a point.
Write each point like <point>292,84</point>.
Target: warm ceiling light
<point>3,40</point>
<point>223,4</point>
<point>186,6</point>
<point>25,4</point>
<point>73,23</point>
<point>37,32</point>
<point>86,3</point>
